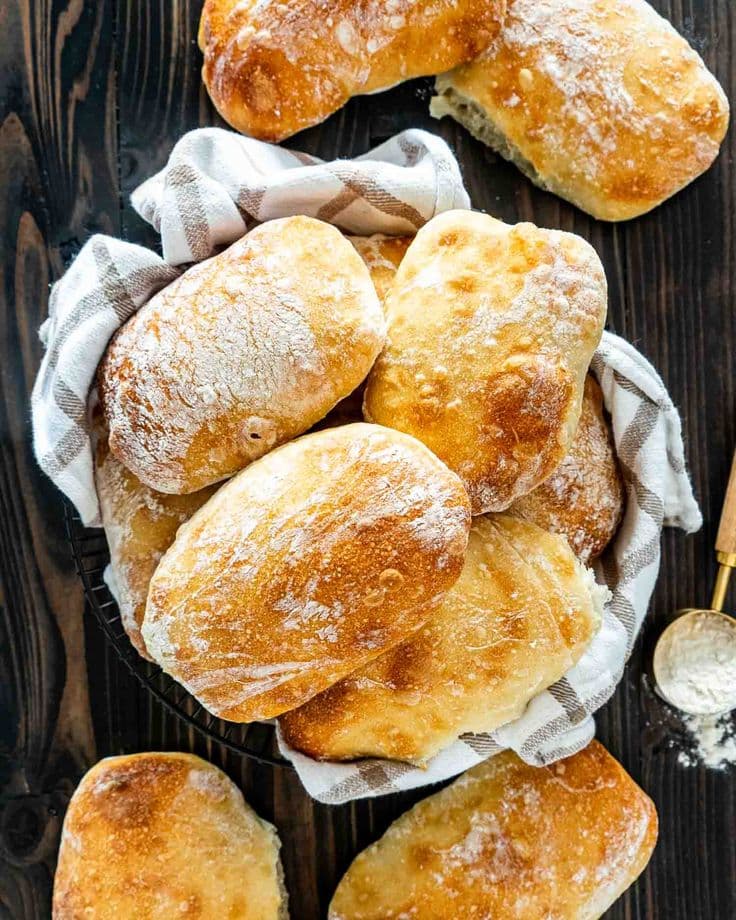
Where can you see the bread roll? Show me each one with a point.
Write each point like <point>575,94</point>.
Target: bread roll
<point>158,836</point>
<point>382,256</point>
<point>520,615</point>
<point>241,353</point>
<point>491,329</point>
<point>140,525</point>
<point>508,841</point>
<point>584,498</point>
<point>272,69</point>
<point>598,101</point>
<point>311,562</point>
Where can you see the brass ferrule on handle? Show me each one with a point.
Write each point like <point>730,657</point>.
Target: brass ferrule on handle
<point>726,542</point>
<point>727,565</point>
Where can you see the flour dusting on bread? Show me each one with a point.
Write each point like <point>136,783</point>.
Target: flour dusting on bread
<point>241,353</point>
<point>491,329</point>
<point>311,561</point>
<point>382,256</point>
<point>509,840</point>
<point>274,68</point>
<point>575,48</point>
<point>163,835</point>
<point>522,613</point>
<point>599,101</point>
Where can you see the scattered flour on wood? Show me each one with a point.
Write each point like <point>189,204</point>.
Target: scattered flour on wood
<point>714,742</point>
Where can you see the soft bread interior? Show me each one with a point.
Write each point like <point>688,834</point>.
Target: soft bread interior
<point>599,594</point>
<point>475,119</point>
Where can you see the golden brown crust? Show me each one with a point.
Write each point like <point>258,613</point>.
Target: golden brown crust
<point>240,354</point>
<point>599,101</point>
<point>382,256</point>
<point>140,525</point>
<point>491,329</point>
<point>159,836</point>
<point>275,67</point>
<point>311,562</point>
<point>520,615</point>
<point>508,840</point>
<point>584,498</point>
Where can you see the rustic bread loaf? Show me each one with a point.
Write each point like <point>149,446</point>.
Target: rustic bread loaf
<point>520,615</point>
<point>382,256</point>
<point>159,836</point>
<point>507,840</point>
<point>274,68</point>
<point>311,562</point>
<point>598,101</point>
<point>241,353</point>
<point>140,525</point>
<point>584,498</point>
<point>491,330</point>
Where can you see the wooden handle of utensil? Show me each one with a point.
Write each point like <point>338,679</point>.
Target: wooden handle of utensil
<point>726,539</point>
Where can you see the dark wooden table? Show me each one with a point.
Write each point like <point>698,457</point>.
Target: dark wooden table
<point>93,94</point>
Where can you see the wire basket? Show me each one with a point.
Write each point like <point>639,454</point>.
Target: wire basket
<point>91,555</point>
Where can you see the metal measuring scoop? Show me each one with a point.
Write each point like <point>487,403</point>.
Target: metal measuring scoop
<point>691,620</point>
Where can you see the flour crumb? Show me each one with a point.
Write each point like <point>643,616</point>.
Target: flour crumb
<point>714,742</point>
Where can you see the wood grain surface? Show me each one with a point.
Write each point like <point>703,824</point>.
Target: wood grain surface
<point>93,94</point>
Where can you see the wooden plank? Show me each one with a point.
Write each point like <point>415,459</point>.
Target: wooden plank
<point>58,180</point>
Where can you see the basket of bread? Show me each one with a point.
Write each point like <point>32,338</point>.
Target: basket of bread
<point>354,478</point>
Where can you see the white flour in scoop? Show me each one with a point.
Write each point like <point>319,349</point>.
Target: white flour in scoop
<point>696,671</point>
<point>695,665</point>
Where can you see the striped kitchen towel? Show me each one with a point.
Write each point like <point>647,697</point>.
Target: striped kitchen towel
<point>217,184</point>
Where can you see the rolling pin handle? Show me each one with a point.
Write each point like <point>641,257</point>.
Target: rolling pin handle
<point>726,542</point>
